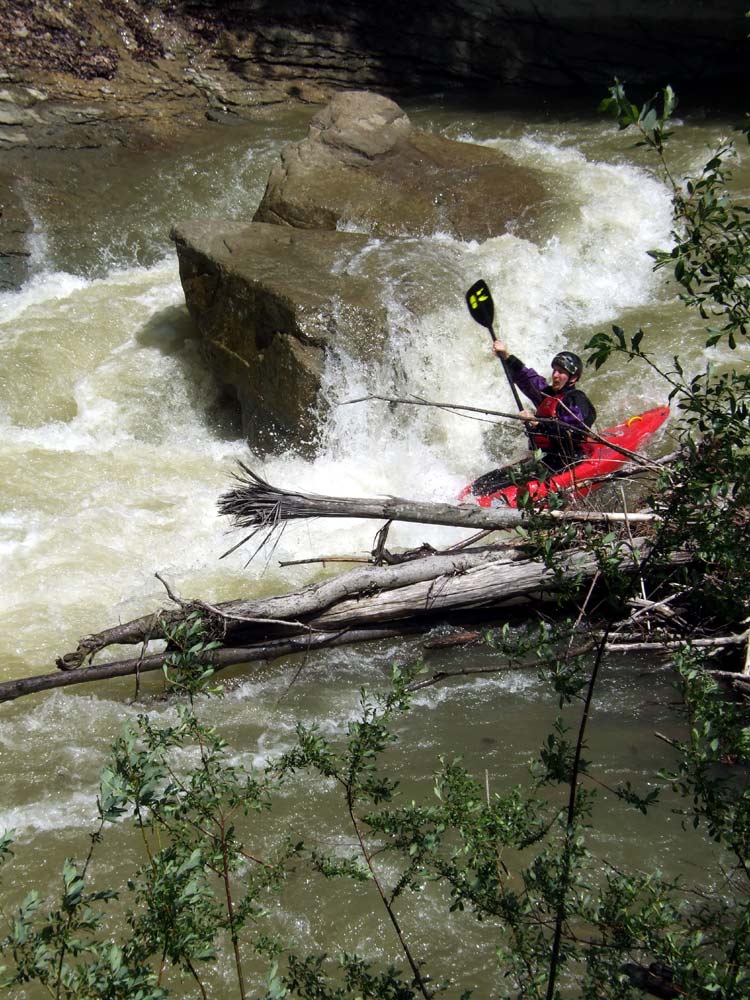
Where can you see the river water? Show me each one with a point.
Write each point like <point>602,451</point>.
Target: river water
<point>116,444</point>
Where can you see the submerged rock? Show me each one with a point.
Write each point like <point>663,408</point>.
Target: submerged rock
<point>363,165</point>
<point>270,302</point>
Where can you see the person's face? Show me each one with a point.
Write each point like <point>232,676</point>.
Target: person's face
<point>559,379</point>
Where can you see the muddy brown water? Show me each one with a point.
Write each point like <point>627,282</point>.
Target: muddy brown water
<point>115,445</point>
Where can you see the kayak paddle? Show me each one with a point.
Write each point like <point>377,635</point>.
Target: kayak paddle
<point>482,309</point>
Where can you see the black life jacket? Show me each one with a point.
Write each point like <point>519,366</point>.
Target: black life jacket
<point>547,410</point>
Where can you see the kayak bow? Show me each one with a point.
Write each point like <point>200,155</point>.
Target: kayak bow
<point>600,460</point>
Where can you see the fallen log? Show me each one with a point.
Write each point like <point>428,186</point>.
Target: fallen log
<point>670,645</point>
<point>373,601</point>
<point>365,596</point>
<point>299,612</point>
<point>414,607</point>
<point>412,594</point>
<point>219,659</point>
<point>264,508</point>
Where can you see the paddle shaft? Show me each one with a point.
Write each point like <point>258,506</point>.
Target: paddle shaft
<point>482,310</point>
<point>511,383</point>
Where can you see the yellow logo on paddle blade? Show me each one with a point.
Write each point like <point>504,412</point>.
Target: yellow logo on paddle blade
<point>475,299</point>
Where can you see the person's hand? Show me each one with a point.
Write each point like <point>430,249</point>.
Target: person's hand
<point>499,348</point>
<point>530,416</point>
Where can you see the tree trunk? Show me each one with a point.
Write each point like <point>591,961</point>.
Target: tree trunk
<point>369,602</point>
<point>409,600</point>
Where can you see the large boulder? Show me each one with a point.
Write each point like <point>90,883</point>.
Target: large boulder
<point>274,297</point>
<point>270,302</point>
<point>364,166</point>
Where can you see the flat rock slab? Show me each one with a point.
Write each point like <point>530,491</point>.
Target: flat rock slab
<point>270,301</point>
<point>363,166</point>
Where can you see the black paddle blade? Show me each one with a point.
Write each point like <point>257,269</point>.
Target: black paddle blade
<point>481,306</point>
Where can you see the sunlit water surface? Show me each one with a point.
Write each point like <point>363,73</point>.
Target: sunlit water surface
<point>115,445</point>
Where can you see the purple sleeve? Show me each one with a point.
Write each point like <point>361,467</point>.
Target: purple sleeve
<point>531,383</point>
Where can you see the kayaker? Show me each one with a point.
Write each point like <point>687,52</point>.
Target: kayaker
<point>563,415</point>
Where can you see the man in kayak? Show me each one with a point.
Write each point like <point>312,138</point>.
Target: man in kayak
<point>558,425</point>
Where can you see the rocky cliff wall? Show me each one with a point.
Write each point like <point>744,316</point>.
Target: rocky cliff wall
<point>436,44</point>
<point>79,75</point>
<point>237,54</point>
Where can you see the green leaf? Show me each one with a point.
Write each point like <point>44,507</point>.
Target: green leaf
<point>649,120</point>
<point>669,102</point>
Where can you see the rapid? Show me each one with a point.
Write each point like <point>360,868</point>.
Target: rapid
<point>115,444</point>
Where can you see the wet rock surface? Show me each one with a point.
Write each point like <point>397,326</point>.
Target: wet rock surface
<point>274,298</point>
<point>15,225</point>
<point>270,302</point>
<point>364,166</point>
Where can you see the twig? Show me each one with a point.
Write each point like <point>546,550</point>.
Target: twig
<point>569,830</point>
<point>666,739</point>
<point>478,537</point>
<point>644,605</point>
<point>324,560</point>
<point>630,539</point>
<point>418,979</point>
<point>443,675</point>
<point>170,595</point>
<point>378,545</point>
<point>250,620</point>
<point>459,408</point>
<point>582,612</point>
<point>453,407</point>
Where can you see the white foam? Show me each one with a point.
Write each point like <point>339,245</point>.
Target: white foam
<point>52,813</point>
<point>42,290</point>
<point>112,420</point>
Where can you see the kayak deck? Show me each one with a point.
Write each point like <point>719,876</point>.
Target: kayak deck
<point>584,477</point>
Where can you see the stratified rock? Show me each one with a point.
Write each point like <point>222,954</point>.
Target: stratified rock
<point>270,302</point>
<point>14,226</point>
<point>364,166</point>
<point>244,52</point>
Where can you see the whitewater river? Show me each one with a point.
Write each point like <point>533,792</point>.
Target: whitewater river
<point>115,444</point>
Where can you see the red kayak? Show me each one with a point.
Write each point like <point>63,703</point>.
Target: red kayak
<point>584,477</point>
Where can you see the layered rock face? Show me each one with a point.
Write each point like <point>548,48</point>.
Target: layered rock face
<point>434,44</point>
<point>14,225</point>
<point>272,298</point>
<point>77,75</point>
<point>269,302</point>
<point>241,53</point>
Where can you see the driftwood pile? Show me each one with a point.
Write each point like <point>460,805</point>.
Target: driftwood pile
<point>394,595</point>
